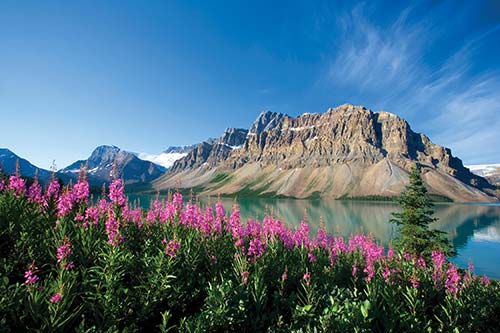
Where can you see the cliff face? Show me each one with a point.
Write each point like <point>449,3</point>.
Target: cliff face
<point>346,151</point>
<point>212,153</point>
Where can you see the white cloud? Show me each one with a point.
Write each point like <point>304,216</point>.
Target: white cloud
<point>455,106</point>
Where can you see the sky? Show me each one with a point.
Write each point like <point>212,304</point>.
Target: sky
<point>146,75</point>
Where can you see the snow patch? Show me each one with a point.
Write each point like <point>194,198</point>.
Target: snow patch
<point>295,129</point>
<point>166,160</point>
<point>483,169</point>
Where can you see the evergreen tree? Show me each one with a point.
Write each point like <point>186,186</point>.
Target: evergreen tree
<point>415,236</point>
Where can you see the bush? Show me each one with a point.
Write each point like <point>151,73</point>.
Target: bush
<point>70,266</point>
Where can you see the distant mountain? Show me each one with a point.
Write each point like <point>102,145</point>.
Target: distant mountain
<point>105,159</point>
<point>8,164</point>
<point>489,171</point>
<point>348,151</point>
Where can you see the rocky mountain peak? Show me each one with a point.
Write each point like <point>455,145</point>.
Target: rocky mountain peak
<point>233,137</point>
<point>266,121</point>
<point>346,151</point>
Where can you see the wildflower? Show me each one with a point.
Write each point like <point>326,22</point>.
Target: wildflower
<point>64,204</point>
<point>438,259</point>
<point>219,217</point>
<point>421,263</point>
<point>307,278</point>
<point>69,266</point>
<point>177,201</point>
<point>116,193</point>
<point>256,248</point>
<point>35,194</point>
<point>244,276</point>
<point>80,192</point>
<point>2,185</point>
<point>63,251</point>
<point>114,238</point>
<point>30,277</point>
<point>452,279</point>
<point>312,257</point>
<point>415,282</point>
<point>471,267</point>
<point>370,271</point>
<point>484,280</point>
<point>386,274</point>
<point>56,298</point>
<point>171,248</point>
<point>301,236</point>
<point>17,184</point>
<point>390,252</point>
<point>284,276</point>
<point>53,189</point>
<point>354,270</point>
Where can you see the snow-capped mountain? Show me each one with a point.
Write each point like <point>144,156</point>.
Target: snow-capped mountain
<point>104,160</point>
<point>167,158</point>
<point>488,171</point>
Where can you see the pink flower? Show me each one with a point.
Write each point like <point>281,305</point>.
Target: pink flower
<point>53,190</point>
<point>220,215</point>
<point>69,266</point>
<point>172,247</point>
<point>386,274</point>
<point>65,204</point>
<point>438,260</point>
<point>56,298</point>
<point>390,252</point>
<point>114,238</point>
<point>484,280</point>
<point>452,279</point>
<point>312,257</point>
<point>307,278</point>
<point>177,201</point>
<point>30,277</point>
<point>80,191</point>
<point>415,282</point>
<point>284,276</point>
<point>2,185</point>
<point>63,251</point>
<point>256,248</point>
<point>18,185</point>
<point>244,276</point>
<point>116,193</point>
<point>35,194</point>
<point>354,270</point>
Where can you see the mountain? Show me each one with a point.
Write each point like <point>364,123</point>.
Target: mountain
<point>211,153</point>
<point>489,171</point>
<point>8,164</point>
<point>105,159</point>
<point>348,151</point>
<point>167,158</point>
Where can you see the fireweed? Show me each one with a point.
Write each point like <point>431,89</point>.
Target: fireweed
<point>110,266</point>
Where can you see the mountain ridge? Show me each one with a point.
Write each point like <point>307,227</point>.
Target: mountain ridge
<point>345,151</point>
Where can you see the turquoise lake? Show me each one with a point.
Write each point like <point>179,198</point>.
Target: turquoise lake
<point>474,229</point>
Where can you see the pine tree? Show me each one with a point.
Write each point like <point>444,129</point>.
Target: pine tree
<point>415,237</point>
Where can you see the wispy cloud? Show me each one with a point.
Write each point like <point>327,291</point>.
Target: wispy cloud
<point>457,107</point>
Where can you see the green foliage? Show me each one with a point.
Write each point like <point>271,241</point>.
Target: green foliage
<point>211,284</point>
<point>415,237</point>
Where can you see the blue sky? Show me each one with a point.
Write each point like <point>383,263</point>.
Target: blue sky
<point>144,75</point>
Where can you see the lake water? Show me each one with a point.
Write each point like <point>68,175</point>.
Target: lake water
<point>474,229</point>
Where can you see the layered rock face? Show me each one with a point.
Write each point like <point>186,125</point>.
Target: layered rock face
<point>346,151</point>
<point>212,153</point>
